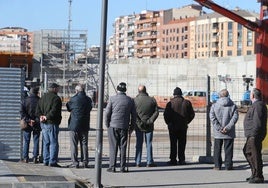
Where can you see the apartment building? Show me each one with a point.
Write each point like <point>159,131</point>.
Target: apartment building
<point>213,35</point>
<point>122,42</point>
<point>185,32</point>
<point>146,38</point>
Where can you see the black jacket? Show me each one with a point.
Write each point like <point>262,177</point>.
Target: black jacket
<point>50,105</point>
<point>80,106</point>
<point>255,121</point>
<point>28,109</point>
<point>178,113</point>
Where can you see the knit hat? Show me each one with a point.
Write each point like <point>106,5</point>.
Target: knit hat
<point>177,91</point>
<point>122,87</point>
<point>54,85</point>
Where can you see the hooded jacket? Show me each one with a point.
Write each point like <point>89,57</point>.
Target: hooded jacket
<point>222,114</point>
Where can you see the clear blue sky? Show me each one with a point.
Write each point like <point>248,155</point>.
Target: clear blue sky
<point>86,14</point>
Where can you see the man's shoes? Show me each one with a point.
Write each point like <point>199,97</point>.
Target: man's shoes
<point>24,160</point>
<point>73,166</point>
<point>85,165</point>
<point>123,171</point>
<point>45,164</point>
<point>151,165</point>
<point>182,163</point>
<point>249,178</point>
<point>55,165</point>
<point>256,180</point>
<point>172,163</point>
<point>35,161</point>
<point>229,168</point>
<point>111,170</point>
<point>216,168</point>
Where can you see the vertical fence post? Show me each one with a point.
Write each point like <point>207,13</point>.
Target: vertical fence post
<point>208,135</point>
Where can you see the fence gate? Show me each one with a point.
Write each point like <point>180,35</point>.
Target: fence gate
<point>11,87</point>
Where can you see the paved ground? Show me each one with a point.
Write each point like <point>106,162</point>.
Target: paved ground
<point>14,174</point>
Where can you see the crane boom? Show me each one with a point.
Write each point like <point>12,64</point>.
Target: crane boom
<point>225,12</point>
<point>261,40</point>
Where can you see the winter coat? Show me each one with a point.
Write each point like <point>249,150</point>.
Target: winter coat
<point>80,106</point>
<point>178,113</point>
<point>120,112</point>
<point>50,105</point>
<point>224,114</point>
<point>28,109</point>
<point>255,121</point>
<point>147,112</point>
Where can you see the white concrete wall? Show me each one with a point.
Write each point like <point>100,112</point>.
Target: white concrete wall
<point>161,76</point>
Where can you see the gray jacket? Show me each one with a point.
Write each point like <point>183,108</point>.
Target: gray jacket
<point>224,113</point>
<point>120,112</point>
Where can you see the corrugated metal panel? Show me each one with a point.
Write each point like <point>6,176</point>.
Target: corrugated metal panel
<point>11,87</point>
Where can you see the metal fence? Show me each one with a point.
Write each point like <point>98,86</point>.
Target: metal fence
<point>11,88</point>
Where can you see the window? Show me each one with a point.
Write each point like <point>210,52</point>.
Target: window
<point>249,52</point>
<point>229,53</point>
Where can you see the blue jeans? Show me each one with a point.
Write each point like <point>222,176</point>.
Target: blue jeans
<point>139,141</point>
<point>50,143</point>
<point>26,143</point>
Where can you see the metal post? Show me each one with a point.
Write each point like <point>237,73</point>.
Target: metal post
<point>208,135</point>
<point>99,134</point>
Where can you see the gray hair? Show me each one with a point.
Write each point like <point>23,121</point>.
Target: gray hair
<point>224,93</point>
<point>79,88</point>
<point>257,93</point>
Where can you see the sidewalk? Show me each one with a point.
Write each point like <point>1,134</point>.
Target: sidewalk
<point>14,174</point>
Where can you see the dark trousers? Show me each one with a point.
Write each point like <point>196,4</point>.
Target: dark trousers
<point>228,150</point>
<point>252,152</point>
<point>177,145</point>
<point>117,140</point>
<point>82,139</point>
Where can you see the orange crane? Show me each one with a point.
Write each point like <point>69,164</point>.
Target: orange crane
<point>261,29</point>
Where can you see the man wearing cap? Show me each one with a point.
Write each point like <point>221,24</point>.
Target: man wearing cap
<point>28,114</point>
<point>80,106</point>
<point>178,114</point>
<point>49,110</point>
<point>120,115</point>
<point>147,113</point>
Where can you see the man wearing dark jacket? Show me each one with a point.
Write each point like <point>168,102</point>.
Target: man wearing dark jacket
<point>178,114</point>
<point>80,106</point>
<point>255,123</point>
<point>120,115</point>
<point>147,112</point>
<point>49,111</point>
<point>28,108</point>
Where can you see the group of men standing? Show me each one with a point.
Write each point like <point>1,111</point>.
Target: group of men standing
<point>224,115</point>
<point>124,114</point>
<point>45,114</point>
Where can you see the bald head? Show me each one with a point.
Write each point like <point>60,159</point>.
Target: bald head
<point>224,93</point>
<point>142,89</point>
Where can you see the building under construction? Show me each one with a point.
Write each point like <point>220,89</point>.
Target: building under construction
<point>64,59</point>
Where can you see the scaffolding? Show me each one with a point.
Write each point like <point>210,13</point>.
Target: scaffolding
<point>64,59</point>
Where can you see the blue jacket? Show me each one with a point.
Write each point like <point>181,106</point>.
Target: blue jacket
<point>222,114</point>
<point>80,106</point>
<point>120,112</point>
